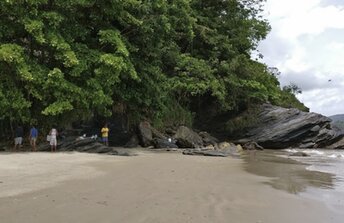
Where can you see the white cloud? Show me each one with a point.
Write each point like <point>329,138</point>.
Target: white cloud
<point>312,22</point>
<point>306,44</point>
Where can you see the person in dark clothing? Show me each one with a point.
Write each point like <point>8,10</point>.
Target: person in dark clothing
<point>33,138</point>
<point>18,140</point>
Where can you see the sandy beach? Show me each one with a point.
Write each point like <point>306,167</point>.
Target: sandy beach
<point>151,188</point>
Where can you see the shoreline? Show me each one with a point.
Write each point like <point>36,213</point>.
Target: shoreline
<point>151,187</point>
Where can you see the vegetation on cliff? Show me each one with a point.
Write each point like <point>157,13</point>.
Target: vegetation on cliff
<point>67,60</point>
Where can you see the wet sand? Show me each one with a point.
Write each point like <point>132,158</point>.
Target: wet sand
<point>150,188</point>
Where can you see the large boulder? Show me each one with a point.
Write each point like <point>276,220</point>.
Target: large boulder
<point>186,138</point>
<point>145,134</point>
<point>279,128</point>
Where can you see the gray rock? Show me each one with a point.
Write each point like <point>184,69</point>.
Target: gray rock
<point>87,145</point>
<point>279,128</point>
<point>337,145</point>
<point>186,138</point>
<point>307,145</point>
<point>145,134</point>
<point>224,149</point>
<point>315,128</point>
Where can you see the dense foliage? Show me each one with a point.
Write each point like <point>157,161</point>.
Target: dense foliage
<point>66,60</point>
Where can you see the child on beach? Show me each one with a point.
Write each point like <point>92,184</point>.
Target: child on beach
<point>105,135</point>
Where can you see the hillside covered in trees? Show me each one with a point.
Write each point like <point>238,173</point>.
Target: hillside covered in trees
<point>338,120</point>
<point>167,61</point>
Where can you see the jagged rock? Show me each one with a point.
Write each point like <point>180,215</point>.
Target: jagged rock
<point>68,145</point>
<point>337,145</point>
<point>164,143</point>
<point>279,128</point>
<point>83,144</point>
<point>224,149</point>
<point>186,138</point>
<point>147,133</point>
<point>326,137</point>
<point>307,145</point>
<point>91,147</point>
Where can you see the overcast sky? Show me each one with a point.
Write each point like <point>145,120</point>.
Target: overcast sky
<point>307,45</point>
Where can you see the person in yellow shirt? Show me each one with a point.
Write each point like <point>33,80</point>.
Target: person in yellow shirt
<point>105,135</point>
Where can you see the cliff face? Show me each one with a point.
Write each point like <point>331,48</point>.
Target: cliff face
<point>279,128</point>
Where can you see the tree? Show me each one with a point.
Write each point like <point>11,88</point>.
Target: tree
<point>292,88</point>
<point>66,60</point>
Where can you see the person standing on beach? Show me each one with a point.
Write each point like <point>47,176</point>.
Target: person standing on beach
<point>18,140</point>
<point>53,139</point>
<point>33,138</point>
<point>105,135</point>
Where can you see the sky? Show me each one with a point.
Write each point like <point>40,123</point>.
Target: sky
<point>306,44</point>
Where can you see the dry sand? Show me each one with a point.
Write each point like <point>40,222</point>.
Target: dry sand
<point>150,188</point>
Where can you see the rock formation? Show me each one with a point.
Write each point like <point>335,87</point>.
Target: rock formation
<point>279,128</point>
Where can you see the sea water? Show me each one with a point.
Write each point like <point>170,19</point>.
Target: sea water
<point>326,161</point>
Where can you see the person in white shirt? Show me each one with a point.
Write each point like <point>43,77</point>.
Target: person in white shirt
<point>53,139</point>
